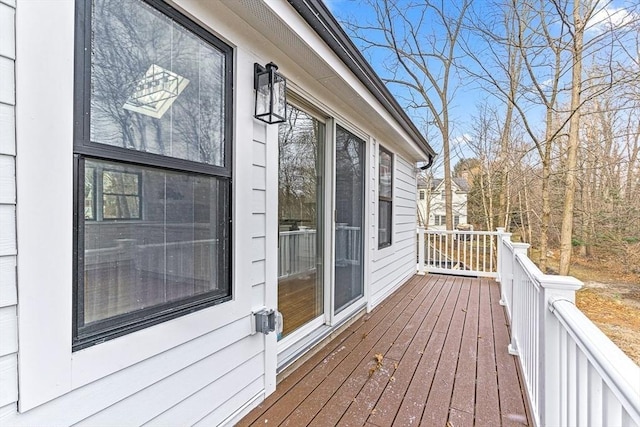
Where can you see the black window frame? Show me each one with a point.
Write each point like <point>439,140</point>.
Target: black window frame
<point>384,201</point>
<point>84,148</point>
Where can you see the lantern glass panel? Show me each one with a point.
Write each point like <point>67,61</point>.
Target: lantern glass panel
<point>279,98</point>
<point>263,97</point>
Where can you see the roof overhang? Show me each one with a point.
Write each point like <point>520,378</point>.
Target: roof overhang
<point>318,16</point>
<point>323,65</point>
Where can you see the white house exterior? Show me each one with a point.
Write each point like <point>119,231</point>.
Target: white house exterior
<point>431,202</point>
<point>139,204</point>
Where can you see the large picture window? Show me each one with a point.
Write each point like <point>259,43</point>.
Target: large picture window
<point>153,168</point>
<point>385,197</point>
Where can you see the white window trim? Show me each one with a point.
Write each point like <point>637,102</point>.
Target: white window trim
<point>355,306</point>
<point>44,130</point>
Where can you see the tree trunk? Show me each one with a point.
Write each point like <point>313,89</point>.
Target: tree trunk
<point>572,150</point>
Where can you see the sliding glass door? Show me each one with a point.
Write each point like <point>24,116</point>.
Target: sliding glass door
<point>349,253</point>
<point>300,213</point>
<point>303,290</point>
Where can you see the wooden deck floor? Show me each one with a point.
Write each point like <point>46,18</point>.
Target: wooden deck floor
<point>433,354</point>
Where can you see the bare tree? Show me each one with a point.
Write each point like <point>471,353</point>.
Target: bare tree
<point>522,62</point>
<point>577,15</point>
<point>421,42</point>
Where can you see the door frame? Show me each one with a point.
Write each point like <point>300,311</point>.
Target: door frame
<point>357,305</point>
<point>300,340</point>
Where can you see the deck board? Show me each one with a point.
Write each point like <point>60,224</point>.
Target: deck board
<point>444,346</point>
<point>487,401</point>
<point>464,390</point>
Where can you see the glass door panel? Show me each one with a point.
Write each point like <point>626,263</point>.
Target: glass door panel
<point>350,155</point>
<point>300,241</point>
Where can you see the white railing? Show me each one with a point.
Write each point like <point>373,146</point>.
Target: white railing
<point>464,253</point>
<point>296,252</point>
<point>190,260</point>
<point>574,375</point>
<point>348,245</point>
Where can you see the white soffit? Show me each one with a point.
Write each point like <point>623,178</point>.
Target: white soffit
<point>266,21</point>
<point>261,17</point>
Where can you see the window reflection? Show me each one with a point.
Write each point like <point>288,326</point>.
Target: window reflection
<point>180,249</point>
<point>300,255</point>
<point>350,152</point>
<point>155,87</point>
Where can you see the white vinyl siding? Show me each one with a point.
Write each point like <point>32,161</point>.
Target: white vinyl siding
<point>393,266</point>
<point>8,245</point>
<point>215,367</point>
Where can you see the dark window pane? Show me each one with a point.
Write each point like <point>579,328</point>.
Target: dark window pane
<point>384,223</point>
<point>349,244</point>
<point>384,172</point>
<point>155,87</point>
<point>89,193</point>
<point>178,251</point>
<point>385,197</point>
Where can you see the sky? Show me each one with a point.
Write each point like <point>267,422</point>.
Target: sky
<point>468,96</point>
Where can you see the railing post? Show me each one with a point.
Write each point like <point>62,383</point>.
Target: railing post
<point>421,251</point>
<point>504,269</point>
<point>552,394</point>
<point>501,234</point>
<point>516,294</point>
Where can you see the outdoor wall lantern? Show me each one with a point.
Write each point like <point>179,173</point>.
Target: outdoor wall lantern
<point>271,94</point>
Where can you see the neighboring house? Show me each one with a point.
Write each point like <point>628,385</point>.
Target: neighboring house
<point>431,203</point>
<point>140,198</point>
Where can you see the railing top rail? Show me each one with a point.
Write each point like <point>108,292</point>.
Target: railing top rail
<point>620,373</point>
<point>477,233</point>
<point>294,232</point>
<point>548,281</point>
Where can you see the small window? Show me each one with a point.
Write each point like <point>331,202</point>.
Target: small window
<point>89,193</point>
<point>422,195</point>
<point>153,182</point>
<point>440,220</point>
<point>385,197</point>
<point>120,194</point>
<point>456,220</point>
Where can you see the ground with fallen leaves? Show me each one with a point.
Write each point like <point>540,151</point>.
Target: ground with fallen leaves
<point>611,299</point>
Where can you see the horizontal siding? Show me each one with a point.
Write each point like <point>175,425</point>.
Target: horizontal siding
<point>258,271</point>
<point>8,380</point>
<point>8,36</point>
<point>393,266</point>
<point>258,218</point>
<point>210,397</point>
<point>175,389</point>
<point>7,230</point>
<point>8,244</point>
<point>8,330</point>
<point>181,364</point>
<point>7,82</point>
<point>11,3</point>
<point>239,400</point>
<point>7,129</point>
<point>7,179</point>
<point>8,294</point>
